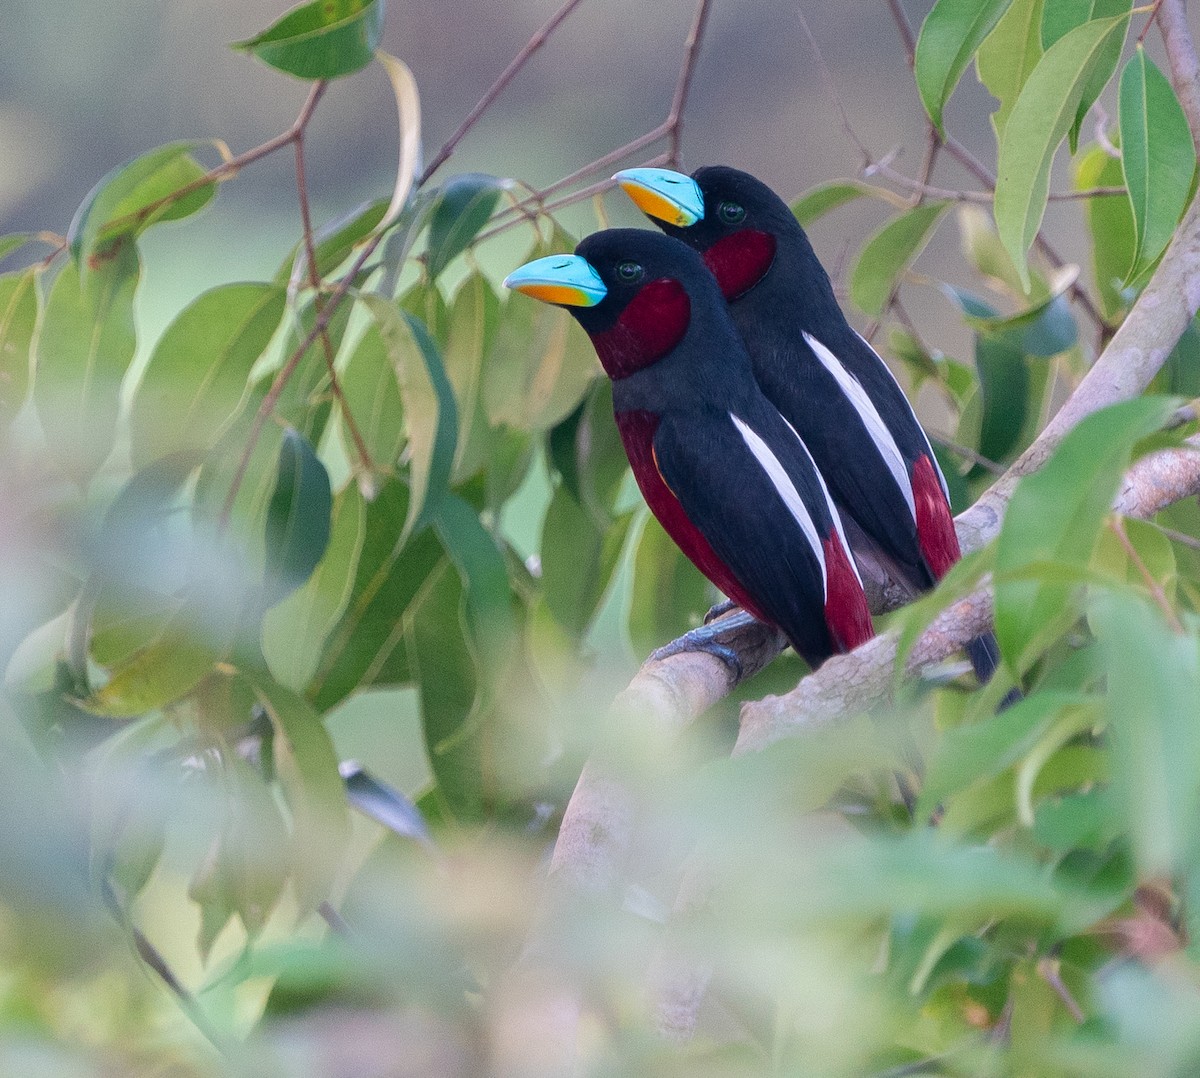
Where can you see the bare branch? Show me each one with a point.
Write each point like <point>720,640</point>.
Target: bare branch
<point>691,50</point>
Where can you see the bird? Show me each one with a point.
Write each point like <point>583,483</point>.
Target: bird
<point>822,375</point>
<point>729,480</point>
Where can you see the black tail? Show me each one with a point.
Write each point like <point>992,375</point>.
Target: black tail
<point>984,654</point>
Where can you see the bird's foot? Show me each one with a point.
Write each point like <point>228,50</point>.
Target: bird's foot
<point>704,638</point>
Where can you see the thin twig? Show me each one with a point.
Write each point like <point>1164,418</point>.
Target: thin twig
<point>1149,22</point>
<point>907,37</point>
<point>1155,588</point>
<point>1050,970</point>
<point>967,454</point>
<point>691,49</point>
<point>982,198</point>
<point>314,279</point>
<point>497,88</point>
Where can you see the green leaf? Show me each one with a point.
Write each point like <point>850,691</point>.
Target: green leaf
<point>463,208</point>
<point>541,362</point>
<point>324,39</point>
<point>408,110</point>
<point>982,750</point>
<point>1110,227</point>
<point>1004,386</point>
<point>365,647</point>
<point>134,196</point>
<point>826,197</point>
<point>373,396</point>
<point>1158,158</point>
<point>308,771</point>
<point>14,241</point>
<point>1043,113</point>
<point>161,673</point>
<point>294,630</point>
<point>298,517</point>
<point>430,412</point>
<point>445,672</point>
<point>1055,516</point>
<point>579,556</point>
<point>84,347</point>
<point>889,252</point>
<point>1182,369</point>
<point>586,451</point>
<point>1153,683</point>
<point>18,320</point>
<point>333,243</point>
<point>1010,52</point>
<point>1045,328</point>
<point>470,327</point>
<point>669,595</point>
<point>196,377</point>
<point>1062,16</point>
<point>304,401</point>
<point>951,33</point>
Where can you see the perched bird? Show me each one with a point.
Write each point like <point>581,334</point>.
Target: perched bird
<point>726,476</point>
<point>811,364</point>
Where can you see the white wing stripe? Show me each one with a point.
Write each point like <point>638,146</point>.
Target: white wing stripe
<point>932,455</point>
<point>833,513</point>
<point>785,488</point>
<point>870,416</point>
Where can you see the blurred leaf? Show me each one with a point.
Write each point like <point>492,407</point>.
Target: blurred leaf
<point>669,595</point>
<point>308,772</point>
<point>430,413</point>
<point>373,396</point>
<point>1110,226</point>
<point>445,672</point>
<point>294,630</point>
<point>305,402</point>
<point>32,665</point>
<point>826,197</point>
<point>1158,158</point>
<point>365,647</point>
<point>1004,386</point>
<point>1153,683</point>
<point>470,327</point>
<point>1045,328</point>
<point>1062,16</point>
<point>951,33</point>
<point>1040,118</point>
<point>162,672</point>
<point>1010,52</point>
<point>298,517</point>
<point>1055,516</point>
<point>541,362</point>
<point>579,556</point>
<point>889,252</point>
<point>915,356</point>
<point>323,39</point>
<point>132,197</point>
<point>247,864</point>
<point>463,208</point>
<point>981,750</point>
<point>196,376</point>
<point>18,319</point>
<point>408,108</point>
<point>1153,549</point>
<point>84,346</point>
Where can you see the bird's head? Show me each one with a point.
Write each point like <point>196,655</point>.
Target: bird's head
<point>633,292</point>
<point>734,220</point>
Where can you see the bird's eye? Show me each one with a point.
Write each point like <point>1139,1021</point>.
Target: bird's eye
<point>629,271</point>
<point>731,213</point>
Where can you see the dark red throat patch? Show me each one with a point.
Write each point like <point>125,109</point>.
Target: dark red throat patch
<point>739,261</point>
<point>935,525</point>
<point>653,323</point>
<point>846,611</point>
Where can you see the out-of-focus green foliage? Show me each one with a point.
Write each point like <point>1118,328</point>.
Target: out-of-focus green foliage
<point>209,559</point>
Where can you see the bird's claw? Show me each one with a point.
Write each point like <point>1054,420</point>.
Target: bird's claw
<point>719,610</point>
<point>702,639</point>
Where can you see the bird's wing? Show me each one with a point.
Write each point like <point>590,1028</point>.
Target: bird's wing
<point>749,486</point>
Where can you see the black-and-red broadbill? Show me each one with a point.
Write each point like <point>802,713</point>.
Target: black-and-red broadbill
<point>726,476</point>
<point>811,364</point>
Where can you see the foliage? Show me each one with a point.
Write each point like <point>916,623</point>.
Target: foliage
<point>300,498</point>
